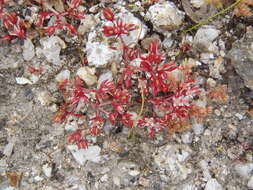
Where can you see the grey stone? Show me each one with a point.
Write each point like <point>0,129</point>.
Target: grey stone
<point>242,58</point>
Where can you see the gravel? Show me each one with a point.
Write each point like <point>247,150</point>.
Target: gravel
<point>215,153</point>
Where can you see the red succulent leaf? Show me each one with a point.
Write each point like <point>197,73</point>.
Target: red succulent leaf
<point>153,47</point>
<point>10,20</point>
<point>42,15</point>
<point>107,86</point>
<point>119,108</point>
<point>154,86</point>
<point>126,119</point>
<point>145,66</point>
<point>113,117</point>
<point>130,27</point>
<point>78,93</point>
<point>151,132</point>
<point>129,54</point>
<point>19,32</point>
<point>109,31</point>
<point>14,26</point>
<point>108,14</point>
<point>32,69</point>
<point>82,144</point>
<point>50,30</point>
<point>171,66</point>
<point>76,14</point>
<point>78,82</point>
<point>142,123</point>
<point>71,29</point>
<point>127,73</point>
<point>75,137</point>
<point>122,96</point>
<point>122,28</point>
<point>118,29</point>
<point>7,37</point>
<point>98,120</point>
<point>94,130</point>
<point>74,3</point>
<point>154,57</point>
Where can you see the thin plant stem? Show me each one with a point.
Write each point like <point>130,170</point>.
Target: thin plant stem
<point>204,21</point>
<point>139,114</point>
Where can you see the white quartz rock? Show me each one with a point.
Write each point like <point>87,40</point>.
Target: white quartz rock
<point>47,170</point>
<point>244,170</point>
<point>87,74</point>
<point>22,80</point>
<point>99,55</point>
<point>63,75</point>
<point>203,40</point>
<point>28,50</point>
<point>51,48</point>
<point>92,153</point>
<point>165,16</point>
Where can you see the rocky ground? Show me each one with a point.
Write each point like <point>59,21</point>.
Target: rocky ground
<point>213,155</point>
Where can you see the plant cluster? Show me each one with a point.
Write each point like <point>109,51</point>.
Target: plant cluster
<point>70,12</point>
<point>48,19</point>
<point>149,92</point>
<point>152,81</point>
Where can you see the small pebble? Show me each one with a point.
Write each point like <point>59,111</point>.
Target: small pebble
<point>217,112</point>
<point>239,116</point>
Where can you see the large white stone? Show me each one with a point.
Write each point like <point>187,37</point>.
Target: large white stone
<point>51,48</point>
<point>244,169</point>
<point>165,16</point>
<point>92,153</point>
<point>203,40</point>
<point>99,55</point>
<point>22,80</point>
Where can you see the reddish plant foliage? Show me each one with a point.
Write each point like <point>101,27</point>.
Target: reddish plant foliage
<point>170,100</point>
<point>118,27</point>
<point>71,12</point>
<point>16,27</point>
<point>78,139</point>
